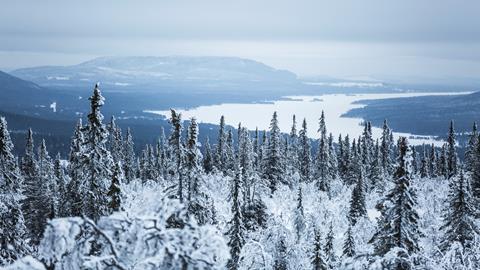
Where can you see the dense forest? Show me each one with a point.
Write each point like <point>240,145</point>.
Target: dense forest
<point>265,201</point>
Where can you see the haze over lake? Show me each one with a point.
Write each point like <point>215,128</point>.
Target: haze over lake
<point>253,115</point>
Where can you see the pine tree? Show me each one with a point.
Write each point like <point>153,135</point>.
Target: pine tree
<point>451,152</point>
<point>471,149</point>
<point>318,260</point>
<point>357,202</point>
<point>349,243</point>
<point>273,160</point>
<point>304,153</point>
<point>459,216</point>
<point>177,151</point>
<point>398,225</point>
<point>236,227</point>
<point>208,159</point>
<point>12,227</point>
<point>114,191</point>
<point>129,159</point>
<point>96,161</point>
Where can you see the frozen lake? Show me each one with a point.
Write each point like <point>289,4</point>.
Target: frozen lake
<point>309,107</point>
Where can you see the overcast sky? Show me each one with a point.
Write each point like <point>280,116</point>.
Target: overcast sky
<point>382,39</point>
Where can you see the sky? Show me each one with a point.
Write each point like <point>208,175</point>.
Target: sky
<point>377,39</point>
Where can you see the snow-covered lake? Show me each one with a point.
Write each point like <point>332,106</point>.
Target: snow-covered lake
<point>309,107</point>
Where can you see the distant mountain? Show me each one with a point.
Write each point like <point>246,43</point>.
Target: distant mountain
<point>143,73</point>
<point>427,115</point>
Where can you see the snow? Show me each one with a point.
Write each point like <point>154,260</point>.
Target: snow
<point>53,106</point>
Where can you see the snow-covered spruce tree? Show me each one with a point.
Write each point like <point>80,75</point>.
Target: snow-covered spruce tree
<point>354,165</point>
<point>114,192</point>
<point>376,176</point>
<point>414,160</point>
<point>293,150</point>
<point>221,151</point>
<point>304,154</point>
<point>451,152</point>
<point>236,231</point>
<point>459,215</point>
<point>332,159</point>
<point>229,162</point>
<point>208,159</point>
<point>386,148</point>
<point>115,141</point>
<point>12,227</point>
<point>424,163</point>
<point>74,204</point>
<point>273,159</point>
<point>471,149</point>
<point>357,202</point>
<point>256,149</point>
<point>442,165</point>
<point>280,259</point>
<point>397,228</point>
<point>349,243</point>
<point>346,159</point>
<point>246,159</point>
<point>177,151</point>
<point>192,160</point>
<point>318,258</point>
<point>164,155</point>
<point>321,175</point>
<point>432,162</point>
<point>329,249</point>
<point>96,161</point>
<point>61,208</point>
<point>367,146</point>
<point>299,217</point>
<point>129,159</point>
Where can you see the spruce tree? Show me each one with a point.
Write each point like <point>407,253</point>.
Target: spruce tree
<point>386,148</point>
<point>349,243</point>
<point>192,162</point>
<point>129,159</point>
<point>115,141</point>
<point>329,248</point>
<point>114,191</point>
<point>177,151</point>
<point>376,174</point>
<point>273,160</point>
<point>398,225</point>
<point>322,159</point>
<point>96,161</point>
<point>61,192</point>
<point>459,215</point>
<point>357,202</point>
<point>236,228</point>
<point>299,218</point>
<point>424,164</point>
<point>76,173</point>
<point>318,259</point>
<point>280,260</point>
<point>208,159</point>
<point>221,151</point>
<point>229,162</point>
<point>451,152</point>
<point>12,227</point>
<point>471,149</point>
<point>432,163</point>
<point>304,153</point>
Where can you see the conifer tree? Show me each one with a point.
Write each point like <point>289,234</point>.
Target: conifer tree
<point>386,148</point>
<point>229,162</point>
<point>329,249</point>
<point>299,215</point>
<point>332,158</point>
<point>114,191</point>
<point>12,227</point>
<point>280,261</point>
<point>221,151</point>
<point>304,153</point>
<point>273,160</point>
<point>318,259</point>
<point>459,216</point>
<point>322,158</point>
<point>256,148</point>
<point>177,151</point>
<point>29,170</point>
<point>432,163</point>
<point>129,159</point>
<point>471,149</point>
<point>424,164</point>
<point>376,173</point>
<point>236,227</point>
<point>192,162</point>
<point>96,161</point>
<point>398,225</point>
<point>349,243</point>
<point>357,202</point>
<point>61,207</point>
<point>443,162</point>
<point>414,160</point>
<point>208,159</point>
<point>116,141</point>
<point>451,152</point>
<point>73,192</point>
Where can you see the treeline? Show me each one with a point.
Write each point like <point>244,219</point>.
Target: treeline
<point>38,188</point>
